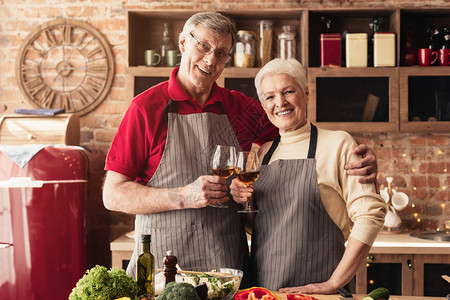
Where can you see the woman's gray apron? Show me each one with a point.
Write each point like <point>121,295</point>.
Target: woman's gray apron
<point>204,237</point>
<point>294,241</point>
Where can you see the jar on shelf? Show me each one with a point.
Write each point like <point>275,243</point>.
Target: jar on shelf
<point>165,45</point>
<point>244,53</point>
<point>264,54</point>
<point>286,43</point>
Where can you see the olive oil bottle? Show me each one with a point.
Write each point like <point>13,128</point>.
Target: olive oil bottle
<point>145,268</point>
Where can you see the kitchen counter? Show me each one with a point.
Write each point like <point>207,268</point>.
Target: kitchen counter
<point>386,243</point>
<point>404,243</point>
<point>388,248</point>
<point>359,297</point>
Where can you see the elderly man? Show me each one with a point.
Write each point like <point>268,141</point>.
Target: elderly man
<point>158,164</point>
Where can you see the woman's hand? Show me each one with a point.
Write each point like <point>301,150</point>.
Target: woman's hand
<point>204,191</point>
<point>367,166</point>
<point>324,288</point>
<point>240,191</point>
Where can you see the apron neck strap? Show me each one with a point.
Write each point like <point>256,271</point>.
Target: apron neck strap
<point>312,142</point>
<point>311,150</point>
<point>171,107</point>
<point>269,153</point>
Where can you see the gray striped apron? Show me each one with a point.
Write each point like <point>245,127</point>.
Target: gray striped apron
<point>294,241</point>
<point>203,237</point>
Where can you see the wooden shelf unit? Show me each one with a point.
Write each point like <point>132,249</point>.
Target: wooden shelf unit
<point>145,32</point>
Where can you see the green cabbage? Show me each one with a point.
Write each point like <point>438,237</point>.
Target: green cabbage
<point>100,284</point>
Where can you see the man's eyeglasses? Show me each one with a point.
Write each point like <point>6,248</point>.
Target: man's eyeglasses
<point>205,48</point>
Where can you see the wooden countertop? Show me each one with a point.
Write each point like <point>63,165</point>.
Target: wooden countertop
<point>401,243</point>
<point>359,297</point>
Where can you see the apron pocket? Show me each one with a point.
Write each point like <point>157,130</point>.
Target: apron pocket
<point>187,244</point>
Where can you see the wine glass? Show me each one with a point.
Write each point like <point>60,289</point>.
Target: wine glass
<point>223,163</point>
<point>247,171</point>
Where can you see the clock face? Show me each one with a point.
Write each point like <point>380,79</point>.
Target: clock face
<point>65,64</point>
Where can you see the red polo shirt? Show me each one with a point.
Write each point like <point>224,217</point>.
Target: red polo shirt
<point>139,143</point>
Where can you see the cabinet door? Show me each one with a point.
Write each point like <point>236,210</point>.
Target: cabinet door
<point>392,271</point>
<point>425,99</point>
<point>242,80</point>
<point>428,269</point>
<point>354,99</point>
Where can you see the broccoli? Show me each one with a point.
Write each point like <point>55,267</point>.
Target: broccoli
<point>178,291</point>
<point>100,284</point>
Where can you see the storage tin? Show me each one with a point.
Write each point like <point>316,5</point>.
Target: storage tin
<point>384,49</point>
<point>356,49</point>
<point>330,49</point>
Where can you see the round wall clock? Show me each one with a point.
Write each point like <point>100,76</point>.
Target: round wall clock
<point>66,64</point>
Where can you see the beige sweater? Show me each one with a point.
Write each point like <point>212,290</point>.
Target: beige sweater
<point>343,197</point>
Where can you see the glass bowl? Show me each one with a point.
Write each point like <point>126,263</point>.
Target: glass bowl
<point>222,283</point>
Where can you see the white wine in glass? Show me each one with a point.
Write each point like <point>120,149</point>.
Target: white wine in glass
<point>247,171</point>
<point>223,164</point>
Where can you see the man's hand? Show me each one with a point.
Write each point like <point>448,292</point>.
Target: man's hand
<point>366,167</point>
<point>204,191</point>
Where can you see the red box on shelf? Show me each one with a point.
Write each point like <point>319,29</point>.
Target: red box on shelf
<point>330,49</point>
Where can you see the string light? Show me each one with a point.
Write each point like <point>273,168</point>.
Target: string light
<point>440,152</point>
<point>445,170</point>
<point>443,205</point>
<point>415,188</point>
<point>371,281</point>
<point>416,215</point>
<point>413,170</point>
<point>444,187</point>
<point>419,220</point>
<point>413,205</point>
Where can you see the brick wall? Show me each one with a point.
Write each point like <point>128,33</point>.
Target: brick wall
<point>418,162</point>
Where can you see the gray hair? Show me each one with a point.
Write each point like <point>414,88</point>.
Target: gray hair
<point>291,67</point>
<point>212,20</point>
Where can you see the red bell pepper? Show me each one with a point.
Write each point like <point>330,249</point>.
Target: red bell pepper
<point>255,293</point>
<point>299,297</point>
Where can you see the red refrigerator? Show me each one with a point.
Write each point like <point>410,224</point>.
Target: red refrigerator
<point>42,241</point>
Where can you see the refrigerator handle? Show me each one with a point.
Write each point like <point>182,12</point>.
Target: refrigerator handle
<point>18,182</point>
<point>5,245</point>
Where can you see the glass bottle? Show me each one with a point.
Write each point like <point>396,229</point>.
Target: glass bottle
<point>166,44</point>
<point>145,268</point>
<point>325,25</point>
<point>431,41</point>
<point>264,53</point>
<point>446,37</point>
<point>244,53</point>
<point>286,43</point>
<point>370,47</point>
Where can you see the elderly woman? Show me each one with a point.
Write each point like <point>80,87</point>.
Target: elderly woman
<point>305,197</point>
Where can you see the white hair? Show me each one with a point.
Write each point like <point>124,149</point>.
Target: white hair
<point>212,20</point>
<point>291,67</point>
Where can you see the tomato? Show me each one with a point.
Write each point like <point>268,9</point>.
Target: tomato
<point>255,293</point>
<point>299,297</point>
